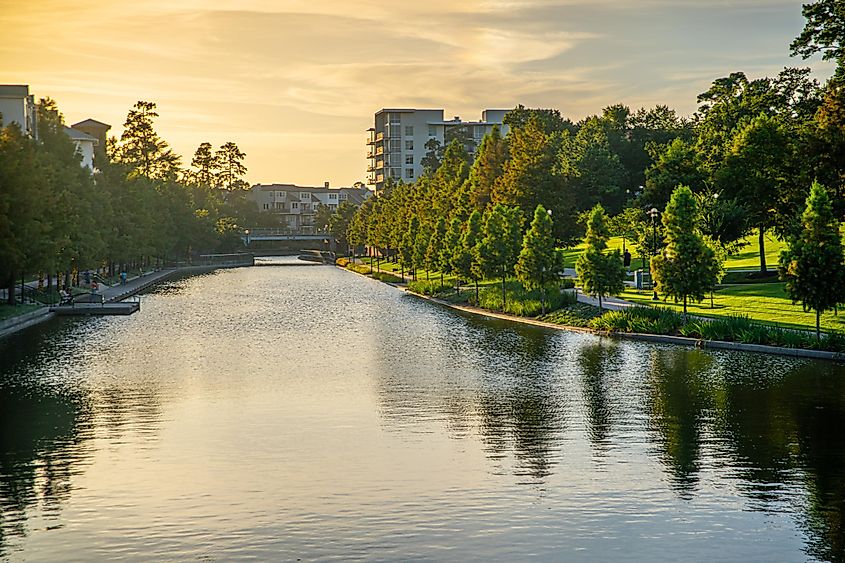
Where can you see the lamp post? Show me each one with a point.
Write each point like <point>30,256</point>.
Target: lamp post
<point>246,232</point>
<point>653,213</point>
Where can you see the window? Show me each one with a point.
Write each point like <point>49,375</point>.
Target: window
<point>409,172</point>
<point>409,145</point>
<point>332,206</point>
<point>393,118</point>
<point>409,130</point>
<point>266,206</point>
<point>304,195</point>
<point>432,131</point>
<point>294,205</point>
<point>395,145</point>
<point>409,159</point>
<point>306,207</point>
<point>343,197</point>
<point>332,196</point>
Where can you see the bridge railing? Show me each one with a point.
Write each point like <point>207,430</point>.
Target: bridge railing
<point>286,232</point>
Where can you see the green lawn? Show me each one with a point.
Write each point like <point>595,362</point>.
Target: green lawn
<point>9,311</point>
<point>766,302</point>
<point>747,258</point>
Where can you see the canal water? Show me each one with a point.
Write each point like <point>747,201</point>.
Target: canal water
<point>286,413</point>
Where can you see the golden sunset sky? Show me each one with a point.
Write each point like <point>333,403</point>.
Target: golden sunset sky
<point>295,83</point>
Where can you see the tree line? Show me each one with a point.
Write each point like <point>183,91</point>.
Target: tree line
<point>138,208</point>
<point>747,159</point>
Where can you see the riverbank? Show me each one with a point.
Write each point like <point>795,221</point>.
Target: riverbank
<point>116,293</point>
<point>652,338</point>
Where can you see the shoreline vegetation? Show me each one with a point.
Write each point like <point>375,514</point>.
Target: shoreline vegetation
<point>650,322</point>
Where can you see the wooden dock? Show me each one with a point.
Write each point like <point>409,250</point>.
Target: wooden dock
<point>87,309</point>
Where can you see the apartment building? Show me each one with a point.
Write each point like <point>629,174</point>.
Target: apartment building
<point>296,206</point>
<point>17,105</point>
<point>396,144</point>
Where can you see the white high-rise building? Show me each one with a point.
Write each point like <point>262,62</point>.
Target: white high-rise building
<point>396,144</point>
<point>17,105</point>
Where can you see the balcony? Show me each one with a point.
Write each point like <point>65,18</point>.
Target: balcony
<point>379,151</point>
<point>380,136</point>
<point>379,165</point>
<point>370,154</point>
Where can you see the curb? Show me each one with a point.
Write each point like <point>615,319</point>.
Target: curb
<point>15,324</point>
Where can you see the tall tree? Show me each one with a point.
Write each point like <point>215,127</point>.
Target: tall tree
<point>433,253</point>
<point>451,247</point>
<point>824,32</point>
<point>539,263</point>
<point>206,166</point>
<point>688,266</point>
<point>601,273</point>
<point>488,166</point>
<point>528,178</point>
<point>232,170</point>
<point>500,243</point>
<point>465,260</point>
<point>140,147</point>
<point>813,264</point>
<point>757,169</point>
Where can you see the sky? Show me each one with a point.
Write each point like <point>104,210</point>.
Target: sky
<point>295,83</point>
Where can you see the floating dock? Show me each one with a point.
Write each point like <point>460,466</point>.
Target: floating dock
<point>87,309</point>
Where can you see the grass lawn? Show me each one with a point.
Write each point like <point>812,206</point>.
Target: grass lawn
<point>9,311</point>
<point>766,302</point>
<point>748,258</point>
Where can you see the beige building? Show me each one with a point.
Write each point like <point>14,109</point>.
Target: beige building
<point>296,206</point>
<point>396,144</point>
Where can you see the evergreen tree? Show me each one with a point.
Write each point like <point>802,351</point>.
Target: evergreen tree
<point>688,266</point>
<point>141,149</point>
<point>465,260</point>
<point>600,273</point>
<point>812,264</point>
<point>230,163</point>
<point>500,243</point>
<point>206,166</point>
<point>435,246</point>
<point>487,167</point>
<point>539,263</point>
<point>451,247</point>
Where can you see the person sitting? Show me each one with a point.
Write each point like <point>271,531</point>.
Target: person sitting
<point>65,297</point>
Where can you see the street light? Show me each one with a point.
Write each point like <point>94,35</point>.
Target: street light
<point>653,213</point>
<point>246,232</point>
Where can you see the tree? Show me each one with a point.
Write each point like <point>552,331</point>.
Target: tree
<point>812,264</point>
<point>539,263</point>
<point>465,260</point>
<point>451,246</point>
<point>322,217</point>
<point>500,243</point>
<point>757,169</point>
<point>206,164</point>
<point>435,246</point>
<point>824,31</point>
<point>675,164</point>
<point>339,223</point>
<point>688,266</point>
<point>599,272</point>
<point>140,147</point>
<point>230,162</point>
<point>488,166</point>
<point>528,177</point>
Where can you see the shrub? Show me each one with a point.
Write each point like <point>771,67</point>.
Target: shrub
<point>342,262</point>
<point>360,268</point>
<point>576,314</point>
<point>648,320</point>
<point>521,302</point>
<point>387,278</point>
<point>428,287</point>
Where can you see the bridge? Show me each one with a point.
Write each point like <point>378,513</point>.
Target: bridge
<point>288,239</point>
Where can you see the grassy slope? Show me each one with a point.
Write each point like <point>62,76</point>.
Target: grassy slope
<point>763,302</point>
<point>747,259</point>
